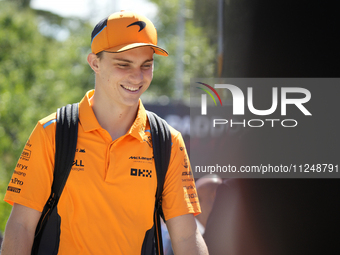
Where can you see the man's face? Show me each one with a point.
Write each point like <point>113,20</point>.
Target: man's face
<point>123,77</point>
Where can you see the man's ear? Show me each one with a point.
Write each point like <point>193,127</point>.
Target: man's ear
<point>93,61</point>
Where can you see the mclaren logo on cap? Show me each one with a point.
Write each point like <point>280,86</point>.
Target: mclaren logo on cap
<point>141,25</point>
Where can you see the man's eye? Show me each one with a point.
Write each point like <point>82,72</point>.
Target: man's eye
<point>123,65</point>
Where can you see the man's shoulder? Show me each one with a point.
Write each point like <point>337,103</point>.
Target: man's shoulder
<point>48,120</point>
<point>174,132</point>
<point>176,138</point>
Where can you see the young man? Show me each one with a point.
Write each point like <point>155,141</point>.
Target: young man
<point>106,208</point>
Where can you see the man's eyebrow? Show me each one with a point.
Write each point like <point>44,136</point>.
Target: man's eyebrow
<point>129,61</point>
<point>149,60</point>
<point>122,59</point>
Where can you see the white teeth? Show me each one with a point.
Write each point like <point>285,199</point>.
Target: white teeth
<point>130,88</point>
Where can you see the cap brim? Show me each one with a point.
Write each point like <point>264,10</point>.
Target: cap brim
<point>121,48</point>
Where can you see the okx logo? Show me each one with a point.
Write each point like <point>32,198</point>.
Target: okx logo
<point>141,172</point>
<point>204,97</point>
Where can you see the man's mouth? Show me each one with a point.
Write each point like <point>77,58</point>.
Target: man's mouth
<point>132,89</point>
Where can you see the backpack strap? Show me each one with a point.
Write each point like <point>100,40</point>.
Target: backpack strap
<point>66,143</point>
<point>161,142</point>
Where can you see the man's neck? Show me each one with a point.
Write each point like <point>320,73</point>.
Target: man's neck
<point>115,119</point>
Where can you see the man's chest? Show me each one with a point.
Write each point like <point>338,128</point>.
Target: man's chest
<point>119,175</point>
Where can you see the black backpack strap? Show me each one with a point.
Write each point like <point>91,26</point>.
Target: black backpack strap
<point>66,143</point>
<point>161,142</point>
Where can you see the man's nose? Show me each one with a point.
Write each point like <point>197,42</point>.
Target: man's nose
<point>136,76</point>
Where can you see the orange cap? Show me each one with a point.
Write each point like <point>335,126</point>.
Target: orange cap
<point>122,31</point>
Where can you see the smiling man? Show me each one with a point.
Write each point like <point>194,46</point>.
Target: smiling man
<point>105,207</point>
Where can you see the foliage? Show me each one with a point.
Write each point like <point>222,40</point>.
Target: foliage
<point>37,74</point>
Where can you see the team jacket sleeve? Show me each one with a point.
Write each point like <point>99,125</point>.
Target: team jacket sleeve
<point>179,193</point>
<point>32,177</point>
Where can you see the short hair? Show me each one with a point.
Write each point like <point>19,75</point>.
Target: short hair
<point>100,54</point>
